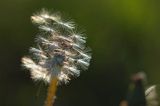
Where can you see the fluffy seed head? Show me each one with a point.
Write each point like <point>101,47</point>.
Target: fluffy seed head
<point>60,52</point>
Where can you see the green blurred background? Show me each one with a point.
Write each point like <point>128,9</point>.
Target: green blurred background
<point>124,36</point>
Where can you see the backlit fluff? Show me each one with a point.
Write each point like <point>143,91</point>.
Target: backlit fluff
<point>60,51</point>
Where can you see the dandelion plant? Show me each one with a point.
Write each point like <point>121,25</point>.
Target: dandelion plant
<point>139,95</point>
<point>60,52</point>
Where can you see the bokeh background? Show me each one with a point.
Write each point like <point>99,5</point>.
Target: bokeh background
<point>124,36</point>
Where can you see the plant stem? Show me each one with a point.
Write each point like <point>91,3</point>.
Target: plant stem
<point>51,92</point>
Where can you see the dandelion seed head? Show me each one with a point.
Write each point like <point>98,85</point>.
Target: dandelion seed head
<point>60,53</point>
<point>152,96</point>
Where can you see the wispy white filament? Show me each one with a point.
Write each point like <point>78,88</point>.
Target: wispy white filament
<point>60,52</point>
<point>152,96</point>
